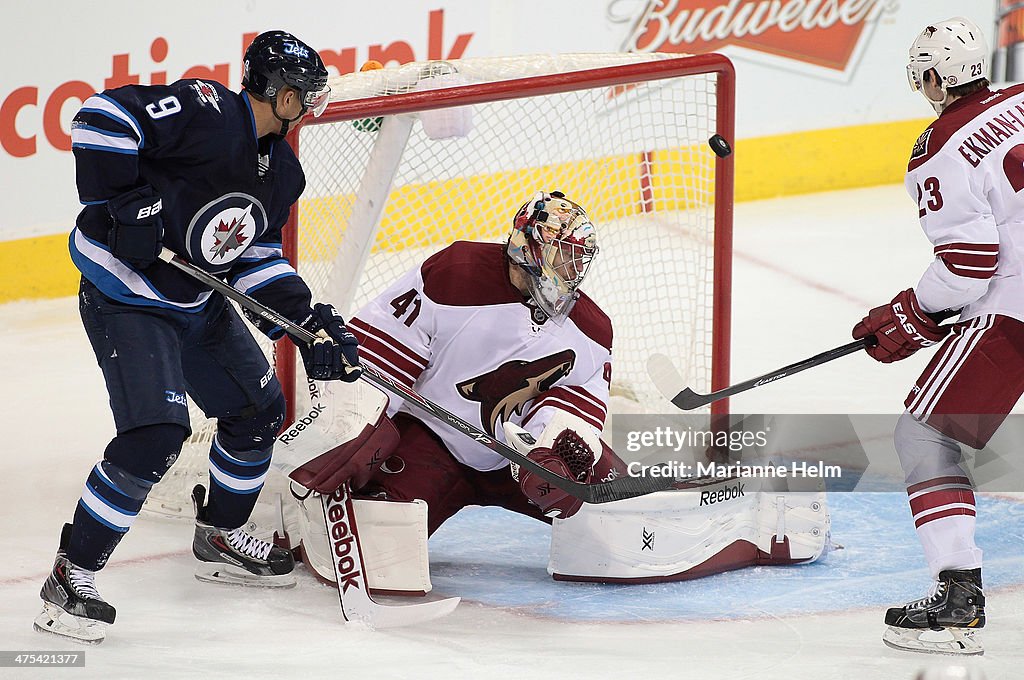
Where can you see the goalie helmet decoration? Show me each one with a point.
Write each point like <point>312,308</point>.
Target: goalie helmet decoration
<point>276,59</point>
<point>554,243</point>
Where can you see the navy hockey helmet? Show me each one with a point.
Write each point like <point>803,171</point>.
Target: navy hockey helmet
<point>276,59</point>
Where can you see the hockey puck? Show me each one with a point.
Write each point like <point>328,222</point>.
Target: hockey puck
<point>719,146</point>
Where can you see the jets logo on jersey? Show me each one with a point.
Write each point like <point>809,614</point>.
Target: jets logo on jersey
<point>506,389</point>
<point>206,94</point>
<point>222,230</point>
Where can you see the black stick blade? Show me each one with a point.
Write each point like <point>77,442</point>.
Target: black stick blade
<point>689,400</point>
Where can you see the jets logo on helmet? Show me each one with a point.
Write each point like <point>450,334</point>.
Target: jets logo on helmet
<point>277,59</point>
<point>554,242</point>
<point>296,49</point>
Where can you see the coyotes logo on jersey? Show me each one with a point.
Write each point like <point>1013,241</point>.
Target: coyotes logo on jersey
<point>508,388</point>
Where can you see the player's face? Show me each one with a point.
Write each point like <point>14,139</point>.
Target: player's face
<point>289,105</point>
<point>930,86</point>
<point>567,262</point>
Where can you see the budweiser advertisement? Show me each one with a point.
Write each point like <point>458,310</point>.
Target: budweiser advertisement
<point>826,36</point>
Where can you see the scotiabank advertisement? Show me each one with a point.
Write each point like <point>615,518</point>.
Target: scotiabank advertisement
<point>802,65</point>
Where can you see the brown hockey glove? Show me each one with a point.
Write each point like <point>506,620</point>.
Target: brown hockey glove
<point>900,329</point>
<point>570,457</point>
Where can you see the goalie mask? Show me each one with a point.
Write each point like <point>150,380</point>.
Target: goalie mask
<point>553,242</point>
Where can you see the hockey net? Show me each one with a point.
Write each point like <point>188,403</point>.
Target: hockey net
<point>624,135</point>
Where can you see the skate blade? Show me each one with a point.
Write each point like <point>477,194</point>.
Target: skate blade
<point>951,641</point>
<point>226,574</point>
<point>56,621</point>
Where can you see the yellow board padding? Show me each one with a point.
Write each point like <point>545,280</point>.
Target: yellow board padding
<point>481,207</point>
<point>38,267</point>
<point>824,160</point>
<point>766,167</point>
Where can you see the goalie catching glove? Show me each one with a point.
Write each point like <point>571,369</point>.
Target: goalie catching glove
<point>334,354</point>
<point>566,451</point>
<point>900,328</point>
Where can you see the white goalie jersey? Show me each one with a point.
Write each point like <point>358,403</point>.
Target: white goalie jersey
<point>457,331</point>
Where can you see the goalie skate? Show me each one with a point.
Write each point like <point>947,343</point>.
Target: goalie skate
<point>945,621</point>
<point>235,556</point>
<point>72,607</point>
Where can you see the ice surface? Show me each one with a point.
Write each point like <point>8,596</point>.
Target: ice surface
<point>805,270</point>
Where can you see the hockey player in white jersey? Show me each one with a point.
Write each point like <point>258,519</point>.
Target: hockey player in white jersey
<point>966,173</point>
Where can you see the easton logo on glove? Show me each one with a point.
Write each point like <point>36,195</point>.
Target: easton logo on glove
<point>914,334</point>
<point>899,329</point>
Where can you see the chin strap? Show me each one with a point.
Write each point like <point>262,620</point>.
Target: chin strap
<point>285,122</point>
<point>938,104</point>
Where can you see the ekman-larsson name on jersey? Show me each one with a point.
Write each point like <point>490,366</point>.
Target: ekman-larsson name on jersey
<point>991,134</point>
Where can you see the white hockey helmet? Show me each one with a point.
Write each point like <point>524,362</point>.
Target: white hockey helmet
<point>554,243</point>
<point>955,48</point>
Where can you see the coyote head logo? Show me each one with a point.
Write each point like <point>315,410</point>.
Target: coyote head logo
<point>507,388</point>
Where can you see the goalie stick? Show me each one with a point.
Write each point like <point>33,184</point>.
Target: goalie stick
<point>353,588</point>
<point>602,492</point>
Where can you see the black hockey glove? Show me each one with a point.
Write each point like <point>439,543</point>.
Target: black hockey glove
<point>334,355</point>
<point>138,230</point>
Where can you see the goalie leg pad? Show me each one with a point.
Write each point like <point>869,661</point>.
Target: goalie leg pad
<point>683,534</point>
<point>393,539</point>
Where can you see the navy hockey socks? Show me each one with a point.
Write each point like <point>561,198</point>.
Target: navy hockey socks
<point>236,478</point>
<point>109,505</point>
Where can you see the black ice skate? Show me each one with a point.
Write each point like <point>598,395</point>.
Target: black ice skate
<point>235,556</point>
<point>72,607</point>
<point>945,621</point>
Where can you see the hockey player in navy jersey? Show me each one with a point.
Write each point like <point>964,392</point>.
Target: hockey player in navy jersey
<point>206,173</point>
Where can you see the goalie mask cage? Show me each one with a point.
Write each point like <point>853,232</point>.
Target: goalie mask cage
<point>624,135</point>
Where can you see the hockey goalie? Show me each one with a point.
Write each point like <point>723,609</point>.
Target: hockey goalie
<point>501,336</point>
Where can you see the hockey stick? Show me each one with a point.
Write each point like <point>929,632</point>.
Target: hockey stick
<point>668,380</point>
<point>353,588</point>
<point>602,492</point>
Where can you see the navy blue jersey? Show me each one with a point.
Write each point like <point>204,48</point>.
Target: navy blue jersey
<point>226,194</point>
